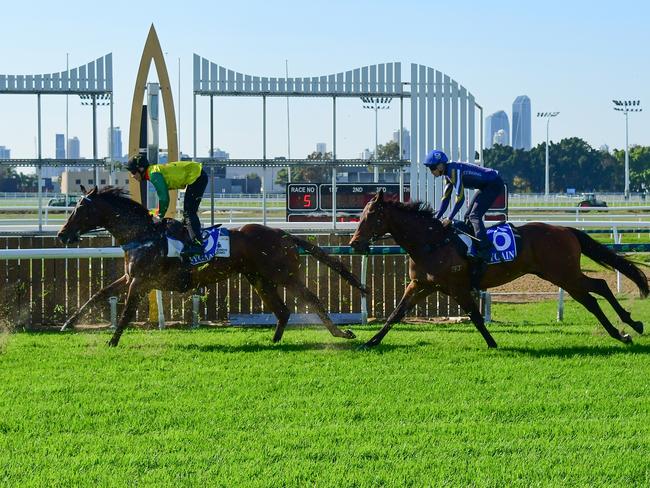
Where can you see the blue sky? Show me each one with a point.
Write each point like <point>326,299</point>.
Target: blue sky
<point>573,57</point>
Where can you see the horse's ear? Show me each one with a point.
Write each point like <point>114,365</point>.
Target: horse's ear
<point>380,195</point>
<point>94,190</point>
<point>83,189</point>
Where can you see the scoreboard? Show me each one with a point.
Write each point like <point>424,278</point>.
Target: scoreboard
<point>313,201</point>
<point>302,197</point>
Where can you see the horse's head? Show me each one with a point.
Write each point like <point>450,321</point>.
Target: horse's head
<point>371,225</point>
<point>85,217</point>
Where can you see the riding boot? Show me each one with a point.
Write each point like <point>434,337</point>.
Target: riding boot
<point>481,250</point>
<point>195,246</point>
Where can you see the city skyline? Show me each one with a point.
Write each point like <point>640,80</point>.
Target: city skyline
<point>522,123</point>
<point>498,121</point>
<point>570,79</point>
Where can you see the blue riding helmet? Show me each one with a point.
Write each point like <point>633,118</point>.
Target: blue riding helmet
<point>434,157</point>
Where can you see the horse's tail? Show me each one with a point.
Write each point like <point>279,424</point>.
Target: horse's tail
<point>331,262</point>
<point>605,256</point>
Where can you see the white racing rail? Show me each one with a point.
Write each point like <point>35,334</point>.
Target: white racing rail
<point>295,227</point>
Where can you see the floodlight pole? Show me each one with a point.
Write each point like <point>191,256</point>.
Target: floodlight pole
<point>39,170</point>
<point>212,160</point>
<point>374,103</point>
<point>95,168</point>
<point>264,157</point>
<point>627,159</point>
<point>334,166</point>
<point>548,116</point>
<point>111,151</point>
<point>546,165</point>
<point>65,143</point>
<point>376,168</point>
<point>401,150</point>
<point>627,106</point>
<point>286,71</point>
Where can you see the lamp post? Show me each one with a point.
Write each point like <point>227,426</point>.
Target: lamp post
<point>548,116</point>
<point>627,106</point>
<point>376,104</point>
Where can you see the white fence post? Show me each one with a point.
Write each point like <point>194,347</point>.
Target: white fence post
<point>195,311</point>
<point>113,303</point>
<point>487,306</point>
<point>161,312</point>
<point>364,300</point>
<point>617,240</point>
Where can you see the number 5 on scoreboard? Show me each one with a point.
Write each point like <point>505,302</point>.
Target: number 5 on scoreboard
<point>307,200</point>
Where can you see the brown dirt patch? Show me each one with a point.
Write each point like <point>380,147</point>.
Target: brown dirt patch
<point>532,284</point>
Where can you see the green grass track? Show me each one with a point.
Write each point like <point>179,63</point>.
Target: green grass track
<point>555,405</point>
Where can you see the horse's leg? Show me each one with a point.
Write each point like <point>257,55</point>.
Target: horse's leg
<point>268,292</point>
<point>466,301</point>
<point>300,290</point>
<point>415,291</point>
<point>591,304</point>
<point>136,292</point>
<point>100,296</point>
<point>600,286</point>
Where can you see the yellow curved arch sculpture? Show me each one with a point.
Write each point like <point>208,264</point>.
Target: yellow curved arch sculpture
<point>153,52</point>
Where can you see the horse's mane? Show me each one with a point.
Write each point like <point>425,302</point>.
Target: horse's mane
<point>416,208</point>
<point>119,198</point>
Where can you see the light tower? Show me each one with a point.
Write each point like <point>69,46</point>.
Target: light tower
<point>548,116</point>
<point>376,104</point>
<point>627,106</point>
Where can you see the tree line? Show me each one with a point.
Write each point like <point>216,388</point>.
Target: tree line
<point>573,163</point>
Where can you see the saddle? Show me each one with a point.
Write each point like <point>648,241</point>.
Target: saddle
<point>215,239</point>
<point>504,238</point>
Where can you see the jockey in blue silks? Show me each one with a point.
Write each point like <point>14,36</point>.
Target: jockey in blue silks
<point>459,176</point>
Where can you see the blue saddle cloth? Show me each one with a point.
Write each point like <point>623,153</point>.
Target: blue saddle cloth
<point>504,247</point>
<point>216,243</point>
<point>504,240</point>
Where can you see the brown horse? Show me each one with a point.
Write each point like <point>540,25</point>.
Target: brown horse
<point>436,264</point>
<point>267,257</point>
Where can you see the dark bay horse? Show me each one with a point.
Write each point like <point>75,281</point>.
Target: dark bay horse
<point>267,257</point>
<point>548,251</point>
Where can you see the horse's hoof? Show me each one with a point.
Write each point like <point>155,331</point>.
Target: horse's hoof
<point>637,325</point>
<point>371,343</point>
<point>348,334</point>
<point>112,343</point>
<point>626,339</point>
<point>492,345</point>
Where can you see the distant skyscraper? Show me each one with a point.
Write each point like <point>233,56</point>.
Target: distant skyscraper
<point>5,152</point>
<point>74,148</point>
<point>117,142</point>
<point>365,154</point>
<point>406,142</point>
<point>59,152</point>
<point>494,123</point>
<point>521,123</point>
<point>321,147</point>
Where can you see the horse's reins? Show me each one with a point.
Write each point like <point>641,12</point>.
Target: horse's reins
<point>468,235</point>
